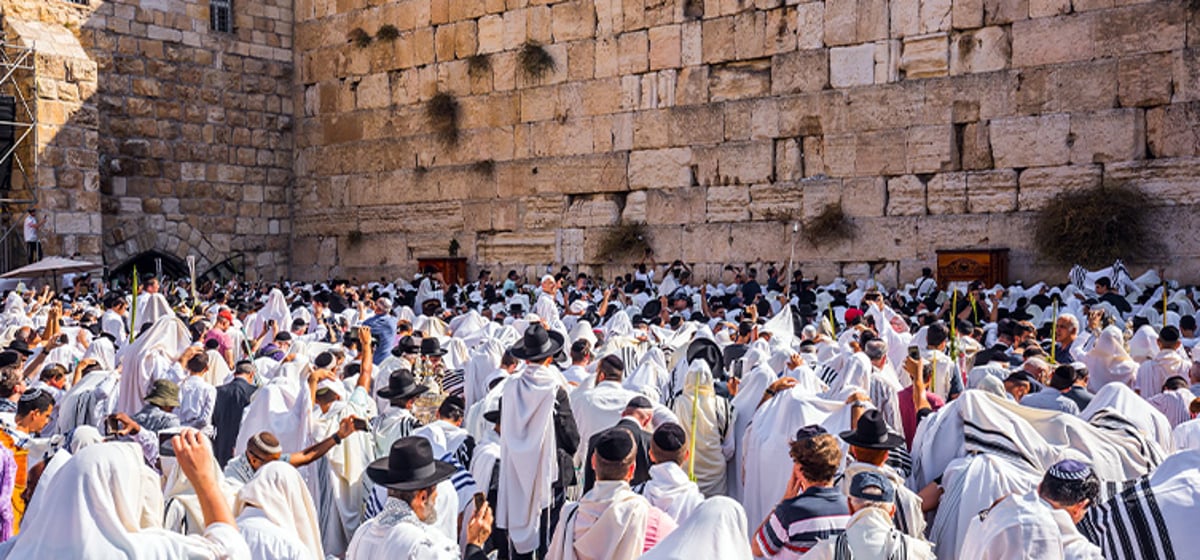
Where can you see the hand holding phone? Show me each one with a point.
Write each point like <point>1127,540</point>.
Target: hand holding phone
<point>914,352</point>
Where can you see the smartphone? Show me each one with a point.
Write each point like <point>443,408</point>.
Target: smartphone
<point>914,352</point>
<point>479,500</point>
<point>112,425</point>
<point>62,339</point>
<point>361,425</point>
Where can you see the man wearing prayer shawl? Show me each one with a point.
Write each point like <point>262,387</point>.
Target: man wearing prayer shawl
<point>1168,363</point>
<point>598,408</point>
<point>711,418</point>
<point>1187,434</point>
<point>397,420</point>
<point>870,533</point>
<point>404,528</point>
<point>669,487</point>
<point>1040,524</point>
<point>1108,361</point>
<point>277,517</point>
<point>1174,401</point>
<point>870,441</point>
<point>947,380</point>
<point>536,445</point>
<point>610,521</point>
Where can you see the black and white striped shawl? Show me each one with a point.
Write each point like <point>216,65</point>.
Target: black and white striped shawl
<point>1130,525</point>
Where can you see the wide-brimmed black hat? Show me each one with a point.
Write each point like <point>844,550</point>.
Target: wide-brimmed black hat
<point>710,352</point>
<point>652,309</point>
<point>538,344</point>
<point>409,466</point>
<point>406,345</point>
<point>872,433</point>
<point>401,385</point>
<point>431,347</point>
<point>21,347</point>
<point>493,416</point>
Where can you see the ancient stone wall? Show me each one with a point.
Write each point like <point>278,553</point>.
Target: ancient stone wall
<point>721,123</point>
<point>189,142</point>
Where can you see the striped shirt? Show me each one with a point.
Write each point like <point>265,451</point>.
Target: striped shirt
<point>797,524</point>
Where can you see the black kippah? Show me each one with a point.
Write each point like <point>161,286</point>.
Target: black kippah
<point>670,437</point>
<point>640,402</point>
<point>614,444</point>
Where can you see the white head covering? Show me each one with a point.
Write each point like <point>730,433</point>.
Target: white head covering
<point>717,529</point>
<point>167,338</point>
<point>152,307</point>
<point>106,504</point>
<point>1108,361</point>
<point>278,490</point>
<point>528,453</point>
<point>698,403</point>
<point>103,352</point>
<point>1144,344</point>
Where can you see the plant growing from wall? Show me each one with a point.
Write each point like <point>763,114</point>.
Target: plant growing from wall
<point>485,167</point>
<point>355,237</point>
<point>442,111</point>
<point>478,65</point>
<point>535,60</point>
<point>359,37</point>
<point>387,32</point>
<point>1094,227</point>
<point>830,226</point>
<point>624,241</point>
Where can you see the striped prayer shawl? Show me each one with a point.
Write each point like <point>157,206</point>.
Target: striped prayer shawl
<point>1130,526</point>
<point>1107,419</point>
<point>827,374</point>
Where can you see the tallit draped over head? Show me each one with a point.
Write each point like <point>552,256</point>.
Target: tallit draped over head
<point>528,454</point>
<point>163,343</point>
<point>278,490</point>
<point>717,529</point>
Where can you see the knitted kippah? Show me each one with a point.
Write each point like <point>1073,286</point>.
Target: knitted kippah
<point>1070,469</point>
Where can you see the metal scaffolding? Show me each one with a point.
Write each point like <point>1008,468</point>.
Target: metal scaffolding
<point>18,80</point>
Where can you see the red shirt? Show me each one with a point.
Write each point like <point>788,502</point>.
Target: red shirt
<point>908,411</point>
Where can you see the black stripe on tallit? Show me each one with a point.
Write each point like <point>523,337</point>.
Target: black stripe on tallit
<point>1139,523</point>
<point>1117,509</point>
<point>1160,524</point>
<point>827,374</point>
<point>1010,450</point>
<point>997,449</point>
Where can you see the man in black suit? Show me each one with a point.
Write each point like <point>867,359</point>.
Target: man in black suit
<point>635,419</point>
<point>1001,350</point>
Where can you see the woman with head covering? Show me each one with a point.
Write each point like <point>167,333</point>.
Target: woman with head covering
<point>106,503</point>
<point>709,420</point>
<point>277,517</point>
<point>1108,362</point>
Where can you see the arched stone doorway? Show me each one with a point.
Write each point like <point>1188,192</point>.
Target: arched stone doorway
<point>149,262</point>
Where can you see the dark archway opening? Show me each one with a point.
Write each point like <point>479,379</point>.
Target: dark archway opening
<point>151,262</point>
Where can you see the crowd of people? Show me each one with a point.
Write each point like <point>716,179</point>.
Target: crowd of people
<point>651,416</point>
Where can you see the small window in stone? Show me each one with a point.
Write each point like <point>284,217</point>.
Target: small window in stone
<point>221,15</point>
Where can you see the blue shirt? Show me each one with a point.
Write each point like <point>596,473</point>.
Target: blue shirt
<point>383,329</point>
<point>1050,398</point>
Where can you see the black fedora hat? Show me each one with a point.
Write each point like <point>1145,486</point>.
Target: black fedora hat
<point>401,385</point>
<point>406,345</point>
<point>872,433</point>
<point>538,344</point>
<point>652,309</point>
<point>409,466</point>
<point>20,346</point>
<point>493,416</point>
<point>431,347</point>
<point>710,352</point>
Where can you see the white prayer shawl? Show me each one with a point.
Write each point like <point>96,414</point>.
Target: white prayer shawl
<point>528,454</point>
<point>750,391</point>
<point>431,326</point>
<point>1121,399</point>
<point>1186,436</point>
<point>670,490</point>
<point>387,536</point>
<point>348,461</point>
<point>1108,362</point>
<point>768,439</point>
<point>1174,405</point>
<point>596,409</point>
<point>282,407</point>
<point>218,369</point>
<point>1144,344</point>
<point>471,328</point>
<point>1152,518</point>
<point>717,530</point>
<point>275,309</point>
<point>475,423</point>
<point>1025,526</point>
<point>712,433</point>
<point>971,485</point>
<point>103,352</point>
<point>88,402</point>
<point>483,461</point>
<point>446,439</point>
<point>943,369</point>
<point>869,534</point>
<point>278,491</point>
<point>651,377</point>
<point>1032,438</point>
<point>181,506</point>
<point>608,523</point>
<point>151,308</point>
<point>781,327</point>
<point>1154,373</point>
<point>909,518</point>
<point>164,342</point>
<point>105,503</point>
<point>484,361</point>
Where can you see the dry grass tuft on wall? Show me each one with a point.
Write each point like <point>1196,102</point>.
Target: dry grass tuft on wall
<point>830,226</point>
<point>1095,227</point>
<point>443,112</point>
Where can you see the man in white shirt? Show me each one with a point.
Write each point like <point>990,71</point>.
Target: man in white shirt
<point>581,357</point>
<point>33,245</point>
<point>1168,363</point>
<point>196,396</point>
<point>113,321</point>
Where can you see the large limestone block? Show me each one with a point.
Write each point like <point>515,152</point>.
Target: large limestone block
<point>925,56</point>
<point>542,212</point>
<point>1108,136</point>
<point>990,192</point>
<point>1142,28</point>
<point>508,248</point>
<point>819,194</point>
<point>665,47</point>
<point>634,210</point>
<point>1039,185</point>
<point>1173,130</point>
<point>727,204</point>
<point>717,38</point>
<point>709,243</point>
<point>735,163</point>
<point>981,50</point>
<point>1031,141</point>
<point>966,14</point>
<point>1048,8</point>
<point>880,153</point>
<point>918,17</point>
<point>592,211</point>
<point>776,201</point>
<point>1080,86</point>
<point>810,25</point>
<point>864,196</point>
<point>1053,40</point>
<point>800,71</point>
<point>739,80</point>
<point>654,169</point>
<point>676,206</point>
<point>604,172</point>
<point>841,22</point>
<point>947,193</point>
<point>767,241</point>
<point>928,149</point>
<point>976,147</point>
<point>571,21</point>
<point>1145,80</point>
<point>852,66</point>
<point>905,196</point>
<point>633,50</point>
<point>1167,181</point>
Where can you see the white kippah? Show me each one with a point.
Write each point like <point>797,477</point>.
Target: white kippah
<point>258,442</point>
